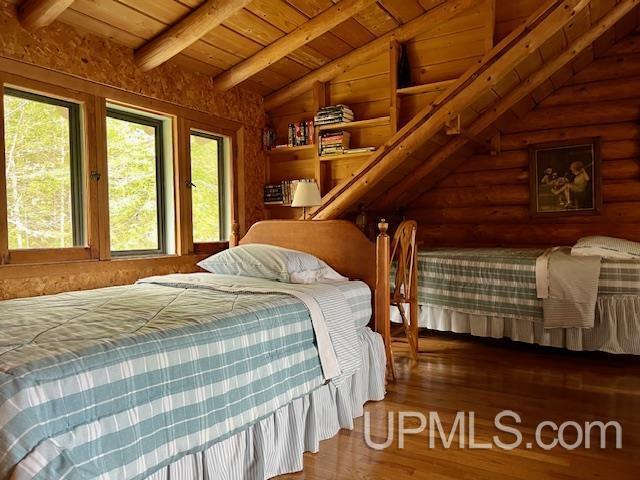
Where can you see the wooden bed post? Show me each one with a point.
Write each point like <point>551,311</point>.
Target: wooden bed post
<point>383,292</point>
<point>234,238</point>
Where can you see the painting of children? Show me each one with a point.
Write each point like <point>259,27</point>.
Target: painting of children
<point>565,178</point>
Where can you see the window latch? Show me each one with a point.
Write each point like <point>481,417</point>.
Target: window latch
<point>95,176</point>
<point>190,184</point>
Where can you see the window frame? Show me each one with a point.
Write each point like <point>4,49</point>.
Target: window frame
<point>222,179</point>
<point>158,126</point>
<point>76,170</point>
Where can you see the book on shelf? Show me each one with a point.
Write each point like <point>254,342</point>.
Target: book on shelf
<point>301,133</point>
<point>280,193</point>
<point>334,114</point>
<point>268,138</point>
<point>273,194</point>
<point>331,143</point>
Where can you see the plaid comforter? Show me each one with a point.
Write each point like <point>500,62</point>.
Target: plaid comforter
<point>120,382</point>
<point>502,282</point>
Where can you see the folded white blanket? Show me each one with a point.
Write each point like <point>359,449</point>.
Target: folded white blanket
<point>568,287</point>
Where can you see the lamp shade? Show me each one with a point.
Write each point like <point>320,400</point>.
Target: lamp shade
<point>307,195</point>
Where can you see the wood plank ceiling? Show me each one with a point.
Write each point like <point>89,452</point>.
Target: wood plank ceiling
<point>260,23</point>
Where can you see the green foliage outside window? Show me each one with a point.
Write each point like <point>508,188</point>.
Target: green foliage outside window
<point>38,173</point>
<point>133,201</point>
<point>205,192</point>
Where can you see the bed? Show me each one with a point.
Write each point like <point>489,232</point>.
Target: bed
<point>191,376</point>
<point>492,293</point>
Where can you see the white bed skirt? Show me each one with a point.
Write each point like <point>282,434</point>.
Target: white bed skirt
<point>617,328</point>
<point>275,445</point>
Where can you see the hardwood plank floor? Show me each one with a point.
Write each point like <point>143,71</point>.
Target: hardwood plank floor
<point>461,373</point>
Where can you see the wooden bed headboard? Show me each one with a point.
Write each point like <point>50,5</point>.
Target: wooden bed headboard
<point>344,247</point>
<point>339,243</point>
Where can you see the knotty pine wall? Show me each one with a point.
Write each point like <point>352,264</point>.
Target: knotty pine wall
<point>485,201</point>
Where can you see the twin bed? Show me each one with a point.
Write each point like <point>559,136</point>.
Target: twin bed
<point>492,293</point>
<point>191,376</point>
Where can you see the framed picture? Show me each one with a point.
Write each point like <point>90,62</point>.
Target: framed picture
<point>565,178</point>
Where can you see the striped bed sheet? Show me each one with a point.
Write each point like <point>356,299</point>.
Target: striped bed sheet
<point>123,381</point>
<point>502,281</point>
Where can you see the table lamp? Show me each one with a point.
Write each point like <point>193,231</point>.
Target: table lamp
<point>307,194</point>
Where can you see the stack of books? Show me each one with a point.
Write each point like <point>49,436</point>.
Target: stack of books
<point>280,193</point>
<point>300,133</point>
<point>334,114</point>
<point>332,143</point>
<point>268,138</point>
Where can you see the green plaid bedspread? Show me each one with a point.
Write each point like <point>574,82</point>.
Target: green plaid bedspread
<point>119,382</point>
<point>501,281</point>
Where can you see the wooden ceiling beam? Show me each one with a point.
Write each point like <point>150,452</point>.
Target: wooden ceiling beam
<point>316,26</point>
<point>552,17</point>
<point>186,32</point>
<point>424,23</point>
<point>410,188</point>
<point>34,14</point>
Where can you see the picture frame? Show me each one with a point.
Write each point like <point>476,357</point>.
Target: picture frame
<point>565,178</point>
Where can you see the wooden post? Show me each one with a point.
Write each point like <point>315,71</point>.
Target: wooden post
<point>490,25</point>
<point>234,237</point>
<point>395,49</point>
<point>383,292</point>
<point>413,299</point>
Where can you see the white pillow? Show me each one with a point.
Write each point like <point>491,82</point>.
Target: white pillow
<point>607,247</point>
<point>271,263</point>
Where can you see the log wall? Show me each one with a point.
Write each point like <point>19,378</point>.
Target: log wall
<point>486,200</point>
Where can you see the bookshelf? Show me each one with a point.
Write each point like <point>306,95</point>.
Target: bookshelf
<point>301,148</point>
<point>372,122</point>
<point>344,156</point>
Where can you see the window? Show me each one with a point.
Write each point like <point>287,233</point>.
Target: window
<point>207,187</point>
<point>136,183</point>
<point>43,171</point>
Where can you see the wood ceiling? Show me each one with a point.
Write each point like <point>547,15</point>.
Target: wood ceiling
<point>260,23</point>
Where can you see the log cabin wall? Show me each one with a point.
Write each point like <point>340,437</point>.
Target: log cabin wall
<point>95,66</point>
<point>485,201</point>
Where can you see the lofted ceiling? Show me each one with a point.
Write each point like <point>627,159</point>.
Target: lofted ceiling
<point>260,23</point>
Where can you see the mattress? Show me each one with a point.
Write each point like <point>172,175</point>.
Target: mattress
<point>124,381</point>
<point>502,282</point>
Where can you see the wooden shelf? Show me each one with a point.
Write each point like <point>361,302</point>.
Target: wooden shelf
<point>301,148</point>
<point>278,205</point>
<point>344,156</point>
<point>426,88</point>
<point>372,122</point>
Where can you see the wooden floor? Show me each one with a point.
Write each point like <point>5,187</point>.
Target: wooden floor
<point>465,374</point>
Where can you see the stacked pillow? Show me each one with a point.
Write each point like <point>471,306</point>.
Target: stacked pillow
<point>607,247</point>
<point>272,263</point>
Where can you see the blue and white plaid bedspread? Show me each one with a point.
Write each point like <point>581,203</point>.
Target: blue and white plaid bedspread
<point>502,281</point>
<point>119,382</point>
